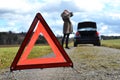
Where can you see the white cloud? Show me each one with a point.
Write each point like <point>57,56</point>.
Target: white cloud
<point>18,6</point>
<point>89,5</point>
<point>104,28</point>
<point>115,15</point>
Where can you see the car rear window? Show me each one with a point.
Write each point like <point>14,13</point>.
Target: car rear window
<point>86,25</point>
<point>87,29</point>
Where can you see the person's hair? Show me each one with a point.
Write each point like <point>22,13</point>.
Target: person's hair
<point>66,10</point>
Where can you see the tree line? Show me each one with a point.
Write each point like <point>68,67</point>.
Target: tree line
<point>11,38</point>
<point>103,37</point>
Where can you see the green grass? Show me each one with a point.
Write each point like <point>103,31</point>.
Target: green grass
<point>115,43</point>
<point>39,51</point>
<point>7,54</point>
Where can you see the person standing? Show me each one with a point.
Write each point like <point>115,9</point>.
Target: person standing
<point>67,26</point>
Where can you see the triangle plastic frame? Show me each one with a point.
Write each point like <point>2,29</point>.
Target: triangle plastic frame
<point>21,62</point>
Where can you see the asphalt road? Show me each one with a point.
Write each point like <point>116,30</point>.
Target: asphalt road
<point>98,63</point>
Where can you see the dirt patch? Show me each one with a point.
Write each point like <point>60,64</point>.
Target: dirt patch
<point>96,57</point>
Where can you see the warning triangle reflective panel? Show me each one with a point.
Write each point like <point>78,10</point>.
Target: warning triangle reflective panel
<point>21,61</point>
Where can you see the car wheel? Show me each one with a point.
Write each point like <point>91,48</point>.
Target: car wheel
<point>97,44</point>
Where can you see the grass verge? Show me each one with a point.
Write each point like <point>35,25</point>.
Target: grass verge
<point>115,43</point>
<point>7,54</point>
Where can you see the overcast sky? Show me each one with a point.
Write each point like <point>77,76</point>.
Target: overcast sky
<point>17,15</point>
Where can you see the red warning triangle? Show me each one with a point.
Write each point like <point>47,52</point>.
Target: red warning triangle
<point>21,61</point>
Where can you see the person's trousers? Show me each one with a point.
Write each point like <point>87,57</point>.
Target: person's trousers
<point>67,39</point>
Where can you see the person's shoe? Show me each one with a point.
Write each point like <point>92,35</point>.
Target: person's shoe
<point>67,47</point>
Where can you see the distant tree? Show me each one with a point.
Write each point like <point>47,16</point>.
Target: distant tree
<point>15,38</point>
<point>10,32</point>
<point>41,40</point>
<point>1,39</point>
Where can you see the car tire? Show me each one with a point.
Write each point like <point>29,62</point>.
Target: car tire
<point>97,44</point>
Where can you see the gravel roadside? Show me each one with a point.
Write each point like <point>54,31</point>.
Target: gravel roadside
<point>90,63</point>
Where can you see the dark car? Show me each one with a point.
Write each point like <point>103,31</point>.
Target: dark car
<point>87,34</point>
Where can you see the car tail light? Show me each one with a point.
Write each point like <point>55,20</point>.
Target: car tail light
<point>77,34</point>
<point>97,33</point>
